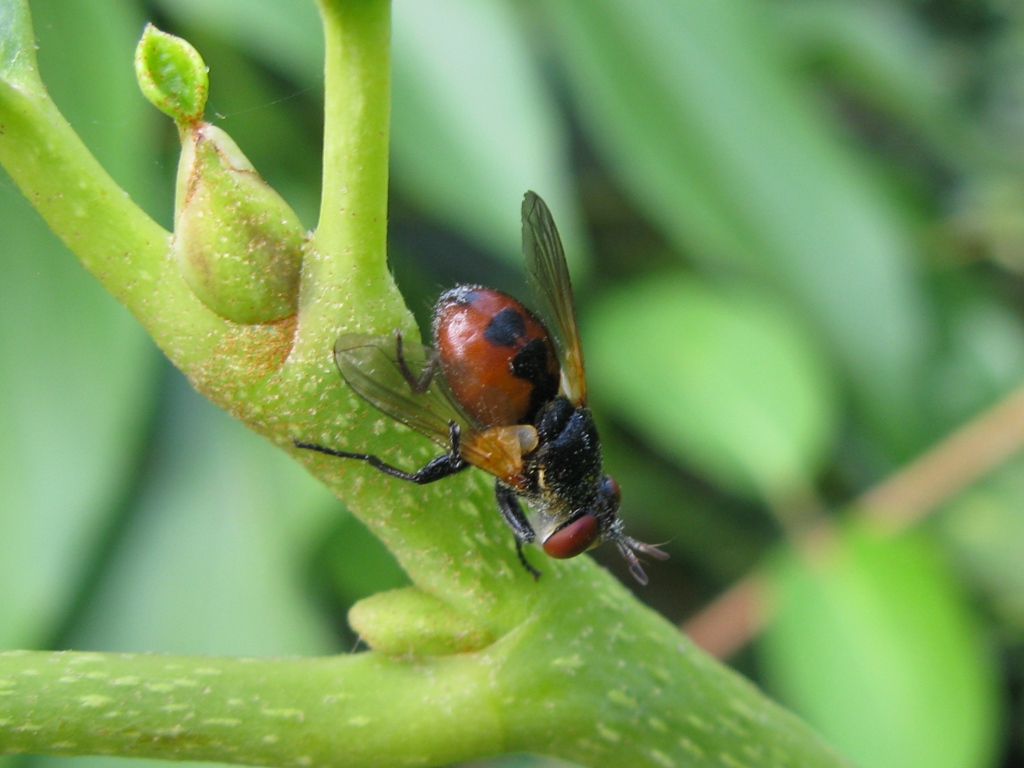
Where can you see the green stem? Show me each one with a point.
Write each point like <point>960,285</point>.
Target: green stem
<point>348,267</point>
<point>257,711</point>
<point>46,159</point>
<point>621,689</point>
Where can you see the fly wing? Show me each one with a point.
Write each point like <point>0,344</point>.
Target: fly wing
<point>371,365</point>
<point>549,275</point>
<point>399,378</point>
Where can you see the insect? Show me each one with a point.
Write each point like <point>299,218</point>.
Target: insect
<point>499,392</point>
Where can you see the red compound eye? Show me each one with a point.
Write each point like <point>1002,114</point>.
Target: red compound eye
<point>574,539</point>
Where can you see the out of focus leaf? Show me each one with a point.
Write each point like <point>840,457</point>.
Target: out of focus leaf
<point>75,393</point>
<point>213,561</point>
<point>882,52</point>
<point>691,108</point>
<point>983,359</point>
<point>725,381</point>
<point>519,761</point>
<point>985,527</point>
<point>990,218</point>
<point>359,564</point>
<point>473,125</point>
<point>285,36</point>
<point>872,643</point>
<point>76,379</point>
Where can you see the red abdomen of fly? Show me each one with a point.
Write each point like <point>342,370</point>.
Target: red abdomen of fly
<point>496,356</point>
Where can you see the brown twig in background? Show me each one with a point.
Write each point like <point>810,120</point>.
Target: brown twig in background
<point>972,451</point>
<point>729,622</point>
<point>979,446</point>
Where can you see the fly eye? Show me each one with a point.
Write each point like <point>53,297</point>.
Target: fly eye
<point>573,539</point>
<point>611,488</point>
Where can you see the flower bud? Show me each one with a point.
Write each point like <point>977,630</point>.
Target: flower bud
<point>408,621</point>
<point>172,75</point>
<point>237,241</point>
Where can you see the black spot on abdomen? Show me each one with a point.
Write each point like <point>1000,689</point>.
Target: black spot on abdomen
<point>506,328</point>
<point>532,364</point>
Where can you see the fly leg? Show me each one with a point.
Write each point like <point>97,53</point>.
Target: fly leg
<point>512,514</point>
<point>418,384</point>
<point>436,469</point>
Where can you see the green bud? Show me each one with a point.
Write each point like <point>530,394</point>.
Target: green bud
<point>172,75</point>
<point>406,620</point>
<point>238,243</point>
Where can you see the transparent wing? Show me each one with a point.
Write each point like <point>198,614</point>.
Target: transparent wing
<point>371,366</point>
<point>399,378</point>
<point>549,275</point>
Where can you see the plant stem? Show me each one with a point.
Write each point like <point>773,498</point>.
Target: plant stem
<point>259,711</point>
<point>347,267</point>
<point>45,157</point>
<point>621,689</point>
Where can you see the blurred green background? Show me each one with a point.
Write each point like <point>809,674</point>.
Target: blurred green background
<point>796,230</point>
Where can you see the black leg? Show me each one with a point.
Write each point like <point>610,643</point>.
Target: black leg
<point>418,384</point>
<point>522,559</point>
<point>437,469</point>
<point>512,514</point>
